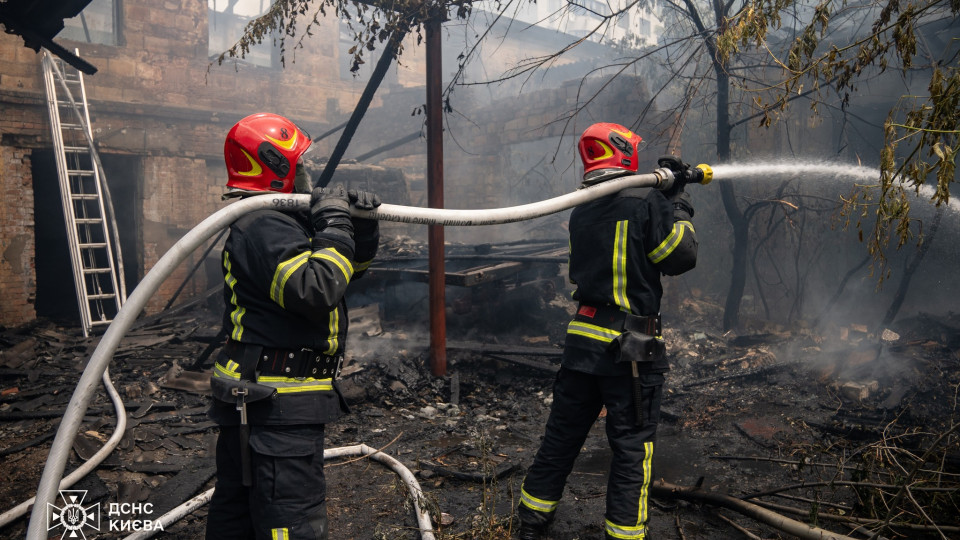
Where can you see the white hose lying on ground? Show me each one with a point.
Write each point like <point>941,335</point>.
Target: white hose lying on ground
<point>416,494</point>
<point>96,367</point>
<point>10,515</point>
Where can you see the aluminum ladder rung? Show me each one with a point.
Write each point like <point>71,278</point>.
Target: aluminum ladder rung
<point>83,211</point>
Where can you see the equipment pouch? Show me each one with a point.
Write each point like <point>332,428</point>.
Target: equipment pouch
<point>632,346</point>
<point>223,390</point>
<point>635,344</point>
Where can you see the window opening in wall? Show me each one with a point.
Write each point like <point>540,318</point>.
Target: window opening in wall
<point>56,295</point>
<point>97,23</point>
<point>227,21</point>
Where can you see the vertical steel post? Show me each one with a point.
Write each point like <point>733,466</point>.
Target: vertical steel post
<point>438,316</point>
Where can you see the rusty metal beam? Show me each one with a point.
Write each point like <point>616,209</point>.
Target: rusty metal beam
<point>438,317</point>
<point>379,71</point>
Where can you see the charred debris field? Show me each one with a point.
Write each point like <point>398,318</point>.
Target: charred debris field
<point>848,429</point>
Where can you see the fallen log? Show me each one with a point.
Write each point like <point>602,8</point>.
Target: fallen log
<point>695,494</point>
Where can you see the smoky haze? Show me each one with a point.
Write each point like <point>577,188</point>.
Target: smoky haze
<point>511,141</point>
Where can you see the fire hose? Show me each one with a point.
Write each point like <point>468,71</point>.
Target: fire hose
<point>416,494</point>
<point>662,178</point>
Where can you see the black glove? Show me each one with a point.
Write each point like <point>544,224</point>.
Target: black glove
<point>682,208</point>
<point>681,175</point>
<point>363,200</point>
<point>367,237</point>
<point>330,212</point>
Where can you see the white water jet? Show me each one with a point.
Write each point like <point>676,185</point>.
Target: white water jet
<point>810,169</point>
<point>814,170</point>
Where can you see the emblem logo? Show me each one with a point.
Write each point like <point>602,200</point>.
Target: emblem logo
<point>73,516</point>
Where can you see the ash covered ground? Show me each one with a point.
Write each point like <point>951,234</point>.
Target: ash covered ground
<point>744,413</point>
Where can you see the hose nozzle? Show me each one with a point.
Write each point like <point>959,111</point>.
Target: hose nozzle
<point>703,174</point>
<point>673,171</point>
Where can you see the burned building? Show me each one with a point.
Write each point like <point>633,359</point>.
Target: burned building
<point>160,105</point>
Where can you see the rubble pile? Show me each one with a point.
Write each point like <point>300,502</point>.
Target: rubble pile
<point>751,415</point>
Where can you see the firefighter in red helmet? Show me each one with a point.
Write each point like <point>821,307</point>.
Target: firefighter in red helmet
<point>614,355</point>
<point>274,382</point>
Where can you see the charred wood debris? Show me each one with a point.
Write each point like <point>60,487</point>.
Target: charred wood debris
<point>860,426</point>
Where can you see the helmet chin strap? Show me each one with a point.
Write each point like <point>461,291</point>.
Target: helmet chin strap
<point>302,182</point>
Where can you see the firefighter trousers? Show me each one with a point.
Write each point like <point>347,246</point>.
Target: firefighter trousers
<point>577,401</point>
<point>287,500</point>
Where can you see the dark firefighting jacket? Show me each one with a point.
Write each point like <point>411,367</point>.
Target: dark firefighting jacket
<point>284,293</point>
<point>619,246</point>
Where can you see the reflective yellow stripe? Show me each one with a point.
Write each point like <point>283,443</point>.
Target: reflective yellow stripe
<point>289,385</point>
<point>333,328</point>
<point>287,144</point>
<point>255,169</point>
<point>334,256</point>
<point>236,315</point>
<point>361,266</point>
<point>607,151</point>
<point>535,504</point>
<point>620,266</point>
<point>229,371</point>
<point>638,532</point>
<point>645,489</point>
<point>669,243</point>
<point>279,534</point>
<point>283,272</point>
<point>592,331</point>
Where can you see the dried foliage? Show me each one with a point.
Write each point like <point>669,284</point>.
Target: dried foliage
<point>921,132</point>
<point>370,22</point>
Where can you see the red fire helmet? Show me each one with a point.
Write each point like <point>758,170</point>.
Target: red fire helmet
<point>608,146</point>
<point>261,153</point>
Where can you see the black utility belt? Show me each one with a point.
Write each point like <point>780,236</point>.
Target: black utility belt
<point>612,317</point>
<point>293,363</point>
<point>299,363</point>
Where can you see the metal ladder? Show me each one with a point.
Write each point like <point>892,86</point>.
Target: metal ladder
<point>100,291</point>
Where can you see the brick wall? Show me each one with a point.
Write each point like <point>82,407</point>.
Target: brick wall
<point>157,97</point>
<point>17,273</point>
<point>178,193</point>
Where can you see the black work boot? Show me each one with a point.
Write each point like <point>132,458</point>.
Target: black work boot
<point>530,531</point>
